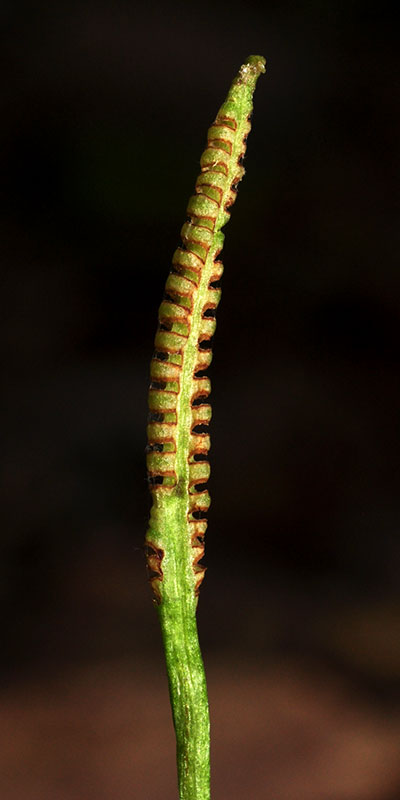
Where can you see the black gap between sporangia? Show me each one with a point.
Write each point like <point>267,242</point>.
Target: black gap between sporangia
<point>200,401</point>
<point>151,550</point>
<point>156,480</point>
<point>156,416</point>
<point>169,297</point>
<point>200,457</point>
<point>201,428</point>
<point>200,487</point>
<point>199,515</point>
<point>156,447</point>
<point>153,574</point>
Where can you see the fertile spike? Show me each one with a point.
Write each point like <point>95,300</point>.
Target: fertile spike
<point>179,417</point>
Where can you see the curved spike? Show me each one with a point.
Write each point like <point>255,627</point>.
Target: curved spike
<point>178,430</point>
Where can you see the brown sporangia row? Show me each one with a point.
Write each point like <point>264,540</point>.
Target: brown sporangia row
<point>216,184</point>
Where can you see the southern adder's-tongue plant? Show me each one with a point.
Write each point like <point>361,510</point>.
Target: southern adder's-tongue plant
<point>178,438</point>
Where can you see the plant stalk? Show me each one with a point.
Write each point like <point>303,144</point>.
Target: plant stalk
<point>178,436</point>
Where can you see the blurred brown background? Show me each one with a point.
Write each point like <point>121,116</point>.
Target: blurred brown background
<point>104,110</point>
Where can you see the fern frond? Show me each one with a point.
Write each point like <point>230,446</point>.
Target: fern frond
<point>178,430</point>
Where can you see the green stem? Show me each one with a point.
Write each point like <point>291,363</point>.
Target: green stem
<point>188,693</point>
<point>178,429</point>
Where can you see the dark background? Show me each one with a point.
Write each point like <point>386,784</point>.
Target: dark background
<point>104,110</point>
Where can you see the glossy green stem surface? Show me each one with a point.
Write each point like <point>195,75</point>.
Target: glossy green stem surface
<point>178,435</point>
